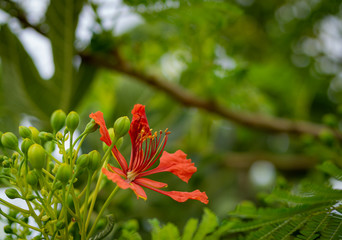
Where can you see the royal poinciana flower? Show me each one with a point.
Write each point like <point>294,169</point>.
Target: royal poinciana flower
<point>147,149</point>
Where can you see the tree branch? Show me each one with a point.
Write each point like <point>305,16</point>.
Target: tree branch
<point>185,97</point>
<point>286,162</point>
<point>257,121</point>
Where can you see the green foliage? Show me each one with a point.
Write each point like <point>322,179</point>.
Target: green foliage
<point>312,212</point>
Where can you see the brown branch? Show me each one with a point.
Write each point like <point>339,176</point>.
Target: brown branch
<point>185,97</point>
<point>286,162</point>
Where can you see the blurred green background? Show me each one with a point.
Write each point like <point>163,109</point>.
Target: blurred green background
<point>184,60</point>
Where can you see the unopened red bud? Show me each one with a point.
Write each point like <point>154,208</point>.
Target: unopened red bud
<point>64,173</point>
<point>57,120</point>
<point>94,160</point>
<point>37,156</point>
<point>72,121</point>
<point>25,132</point>
<point>9,140</point>
<point>121,126</point>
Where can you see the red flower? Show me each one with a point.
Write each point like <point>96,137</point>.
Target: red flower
<point>146,150</point>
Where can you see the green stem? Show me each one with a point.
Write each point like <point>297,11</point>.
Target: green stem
<point>70,150</point>
<point>20,222</point>
<point>65,206</point>
<point>105,205</point>
<point>47,207</point>
<point>78,148</point>
<point>84,230</point>
<point>10,205</point>
<point>104,160</point>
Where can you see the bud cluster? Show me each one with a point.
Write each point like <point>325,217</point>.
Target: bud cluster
<point>46,180</point>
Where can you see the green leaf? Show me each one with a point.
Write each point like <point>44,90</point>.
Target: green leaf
<point>331,169</point>
<point>62,18</point>
<point>190,229</point>
<point>166,232</point>
<point>23,88</point>
<point>208,224</point>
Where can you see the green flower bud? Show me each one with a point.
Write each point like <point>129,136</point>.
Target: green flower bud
<point>8,229</point>
<point>64,173</point>
<point>72,121</point>
<point>35,134</point>
<point>60,224</point>
<point>45,136</point>
<point>119,143</point>
<point>26,144</point>
<point>94,160</point>
<point>30,197</point>
<point>59,136</point>
<point>9,140</point>
<point>45,218</point>
<point>82,161</point>
<point>50,146</point>
<point>12,193</point>
<point>25,132</point>
<point>57,120</point>
<point>6,163</point>
<point>44,192</point>
<point>32,178</point>
<point>37,156</point>
<point>91,127</point>
<point>121,126</point>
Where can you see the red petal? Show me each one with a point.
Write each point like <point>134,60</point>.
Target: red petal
<point>117,170</point>
<point>139,123</point>
<point>182,196</point>
<point>98,118</point>
<point>116,179</point>
<point>121,160</point>
<point>149,182</point>
<point>176,163</point>
<point>138,190</point>
<point>123,184</point>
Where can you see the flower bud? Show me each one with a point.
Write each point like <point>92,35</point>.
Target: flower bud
<point>60,224</point>
<point>31,197</point>
<point>57,120</point>
<point>26,144</point>
<point>45,218</point>
<point>9,140</point>
<point>35,134</point>
<point>121,126</point>
<point>45,136</point>
<point>50,146</point>
<point>94,160</point>
<point>8,229</point>
<point>72,121</point>
<point>44,192</point>
<point>32,178</point>
<point>91,127</point>
<point>12,193</point>
<point>64,173</point>
<point>25,132</point>
<point>82,161</point>
<point>6,163</point>
<point>37,156</point>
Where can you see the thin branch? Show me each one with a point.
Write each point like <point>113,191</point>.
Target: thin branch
<point>257,121</point>
<point>185,97</point>
<point>286,162</point>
